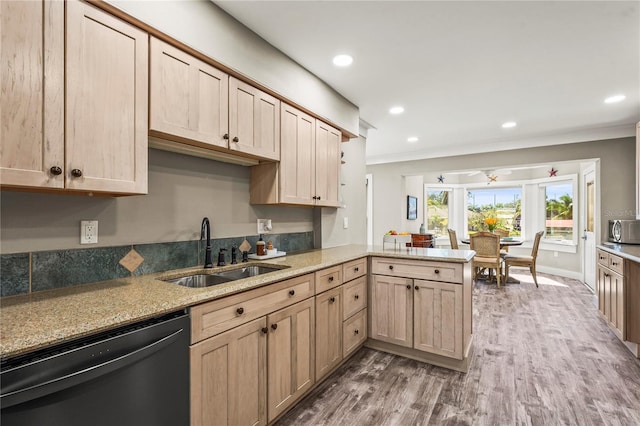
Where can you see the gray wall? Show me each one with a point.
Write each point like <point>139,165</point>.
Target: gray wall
<point>205,27</point>
<point>617,183</point>
<point>182,190</point>
<point>353,193</point>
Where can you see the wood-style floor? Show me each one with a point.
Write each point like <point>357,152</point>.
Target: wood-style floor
<point>542,357</point>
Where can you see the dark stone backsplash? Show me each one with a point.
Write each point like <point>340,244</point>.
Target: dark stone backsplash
<point>30,272</point>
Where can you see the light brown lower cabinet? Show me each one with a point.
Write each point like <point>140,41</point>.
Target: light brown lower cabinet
<point>229,377</point>
<point>291,355</point>
<point>611,292</point>
<point>392,310</point>
<point>328,331</point>
<point>354,332</point>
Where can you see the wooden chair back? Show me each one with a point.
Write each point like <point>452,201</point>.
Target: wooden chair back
<point>502,232</point>
<point>453,239</point>
<point>536,244</point>
<point>485,244</point>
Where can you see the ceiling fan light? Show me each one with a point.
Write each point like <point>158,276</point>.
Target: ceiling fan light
<point>412,139</point>
<point>509,125</point>
<point>396,110</point>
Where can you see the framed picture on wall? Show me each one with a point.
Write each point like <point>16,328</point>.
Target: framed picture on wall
<point>412,207</point>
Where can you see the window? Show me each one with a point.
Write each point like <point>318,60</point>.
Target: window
<point>559,224</point>
<point>504,204</point>
<point>438,212</point>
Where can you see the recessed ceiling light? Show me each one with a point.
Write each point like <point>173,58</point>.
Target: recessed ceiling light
<point>396,110</point>
<point>614,99</point>
<point>342,60</point>
<point>509,124</point>
<point>412,139</point>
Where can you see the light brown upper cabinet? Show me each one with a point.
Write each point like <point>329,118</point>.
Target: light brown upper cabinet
<point>107,99</point>
<point>638,170</point>
<point>195,103</point>
<point>254,121</point>
<point>32,125</point>
<point>104,148</point>
<point>308,172</point>
<point>189,98</point>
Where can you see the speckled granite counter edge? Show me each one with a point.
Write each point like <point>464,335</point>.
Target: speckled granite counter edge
<point>39,320</point>
<point>631,252</point>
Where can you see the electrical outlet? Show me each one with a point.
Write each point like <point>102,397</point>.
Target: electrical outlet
<point>555,254</point>
<point>345,222</point>
<point>89,232</point>
<point>264,226</point>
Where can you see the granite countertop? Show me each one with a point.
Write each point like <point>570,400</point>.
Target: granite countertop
<point>628,251</point>
<point>33,321</point>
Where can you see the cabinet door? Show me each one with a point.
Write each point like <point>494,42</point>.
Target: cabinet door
<point>438,318</point>
<point>106,102</point>
<point>297,157</point>
<point>254,121</point>
<point>392,310</point>
<point>32,101</point>
<point>327,164</point>
<point>600,289</point>
<point>189,98</point>
<point>617,317</point>
<point>228,377</point>
<point>328,331</point>
<point>290,350</point>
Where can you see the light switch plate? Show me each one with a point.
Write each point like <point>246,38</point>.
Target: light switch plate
<point>345,222</point>
<point>89,232</point>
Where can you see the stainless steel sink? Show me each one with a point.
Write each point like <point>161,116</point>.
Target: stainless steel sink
<point>207,280</point>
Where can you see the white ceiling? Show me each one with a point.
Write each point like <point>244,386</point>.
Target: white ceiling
<point>461,69</point>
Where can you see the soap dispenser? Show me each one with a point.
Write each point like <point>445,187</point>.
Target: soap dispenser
<point>260,248</point>
<point>221,258</point>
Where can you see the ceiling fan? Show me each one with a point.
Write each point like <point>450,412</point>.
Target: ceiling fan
<point>492,174</point>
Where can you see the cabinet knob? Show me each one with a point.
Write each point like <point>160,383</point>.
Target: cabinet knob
<point>356,297</point>
<point>314,197</point>
<point>408,287</point>
<point>614,263</point>
<point>331,279</point>
<point>606,275</point>
<point>391,267</point>
<point>292,292</point>
<point>437,271</point>
<point>356,331</point>
<point>55,170</point>
<point>76,173</point>
<point>417,288</point>
<point>265,330</point>
<point>240,311</point>
<point>225,136</point>
<point>235,139</point>
<point>274,326</point>
<point>356,269</point>
<point>319,198</point>
<point>332,299</point>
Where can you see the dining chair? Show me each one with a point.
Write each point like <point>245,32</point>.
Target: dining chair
<point>529,261</point>
<point>503,233</point>
<point>453,239</point>
<point>487,248</point>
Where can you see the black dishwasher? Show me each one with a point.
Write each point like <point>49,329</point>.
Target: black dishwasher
<point>133,375</point>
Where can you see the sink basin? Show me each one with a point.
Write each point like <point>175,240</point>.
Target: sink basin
<point>207,280</point>
<point>246,272</point>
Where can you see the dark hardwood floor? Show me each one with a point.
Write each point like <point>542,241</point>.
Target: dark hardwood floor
<point>542,357</point>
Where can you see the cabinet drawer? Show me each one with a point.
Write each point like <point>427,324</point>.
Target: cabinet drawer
<point>328,278</point>
<point>354,332</point>
<point>220,315</point>
<point>355,296</point>
<point>354,269</point>
<point>616,264</point>
<point>603,258</point>
<point>424,270</point>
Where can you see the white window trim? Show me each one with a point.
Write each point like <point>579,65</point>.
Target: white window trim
<point>551,244</point>
<point>438,187</point>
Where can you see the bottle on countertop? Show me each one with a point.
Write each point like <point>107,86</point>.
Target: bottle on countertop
<point>260,247</point>
<point>422,230</point>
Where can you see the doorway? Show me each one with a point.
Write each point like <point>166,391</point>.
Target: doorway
<point>590,221</point>
<point>369,181</point>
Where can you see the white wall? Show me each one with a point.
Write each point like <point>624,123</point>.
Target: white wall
<point>205,27</point>
<point>182,190</point>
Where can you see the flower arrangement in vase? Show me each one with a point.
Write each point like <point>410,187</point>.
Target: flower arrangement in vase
<point>491,223</point>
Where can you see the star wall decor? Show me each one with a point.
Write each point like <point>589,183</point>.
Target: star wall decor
<point>440,179</point>
<point>492,178</point>
<point>553,172</point>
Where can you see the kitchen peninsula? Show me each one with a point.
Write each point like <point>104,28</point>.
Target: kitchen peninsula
<point>416,301</point>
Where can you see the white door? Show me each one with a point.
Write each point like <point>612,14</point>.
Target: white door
<point>589,230</point>
<point>369,180</point>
